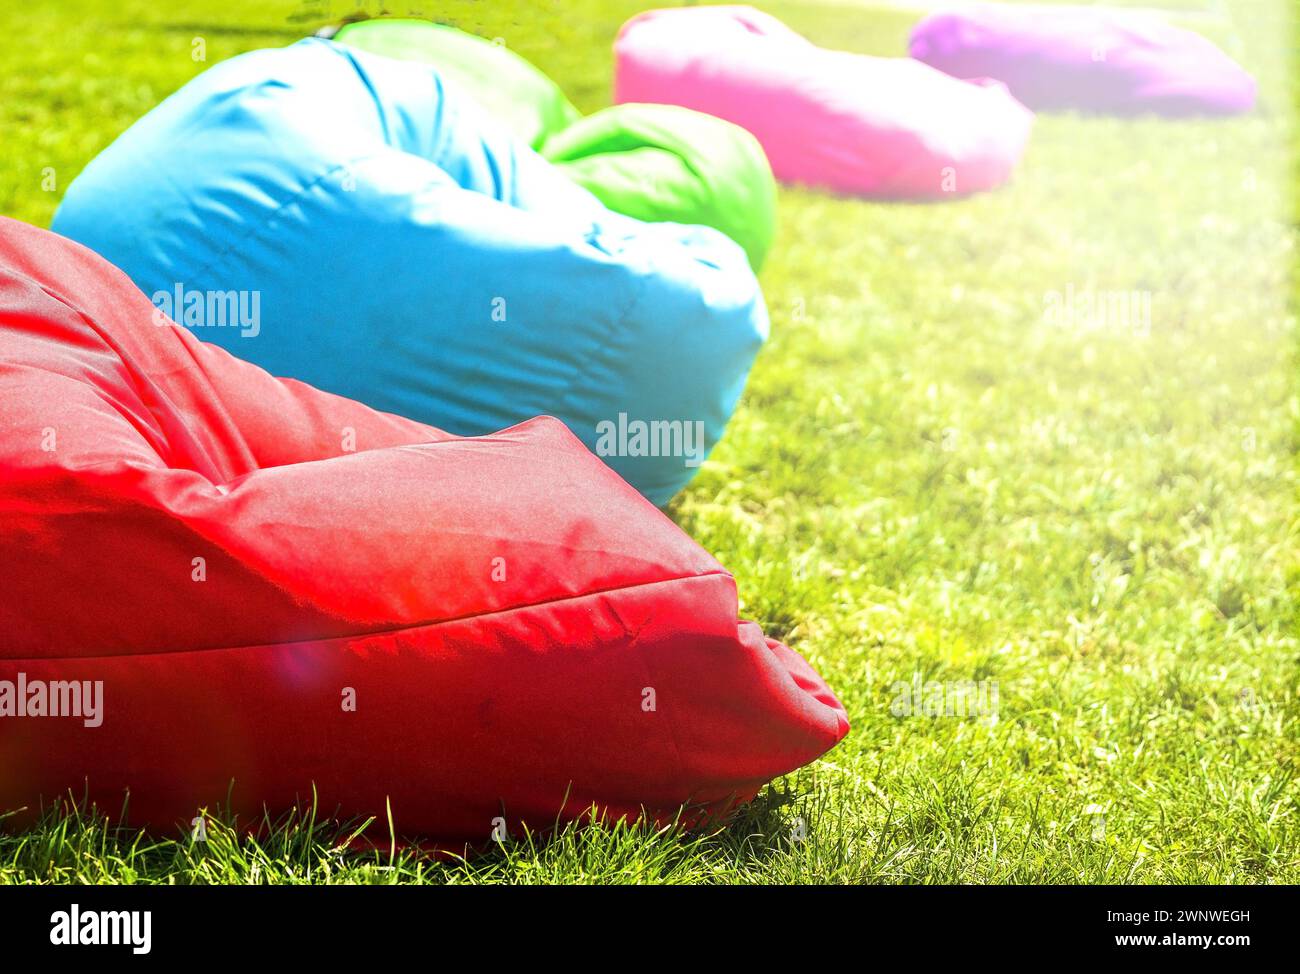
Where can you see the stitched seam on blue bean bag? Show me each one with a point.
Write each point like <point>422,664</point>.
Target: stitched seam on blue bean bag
<point>611,356</point>
<point>267,216</point>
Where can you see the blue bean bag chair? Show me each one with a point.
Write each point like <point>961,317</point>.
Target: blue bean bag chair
<point>344,219</point>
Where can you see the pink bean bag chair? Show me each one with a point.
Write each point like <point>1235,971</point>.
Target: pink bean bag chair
<point>883,127</point>
<point>1089,58</point>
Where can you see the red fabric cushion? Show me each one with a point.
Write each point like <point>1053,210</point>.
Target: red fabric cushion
<point>500,606</point>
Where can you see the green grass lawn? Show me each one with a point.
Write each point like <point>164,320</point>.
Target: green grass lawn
<point>929,474</point>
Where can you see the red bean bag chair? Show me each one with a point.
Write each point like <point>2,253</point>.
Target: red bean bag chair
<point>1122,62</point>
<point>213,575</point>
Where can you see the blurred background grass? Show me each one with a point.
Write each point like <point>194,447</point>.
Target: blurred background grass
<point>926,476</point>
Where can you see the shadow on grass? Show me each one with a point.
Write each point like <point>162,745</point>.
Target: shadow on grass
<point>235,30</point>
<point>73,842</point>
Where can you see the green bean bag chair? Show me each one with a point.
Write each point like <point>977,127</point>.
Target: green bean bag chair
<point>658,163</point>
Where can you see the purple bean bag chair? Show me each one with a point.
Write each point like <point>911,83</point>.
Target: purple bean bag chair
<point>1089,58</point>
